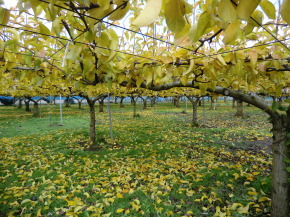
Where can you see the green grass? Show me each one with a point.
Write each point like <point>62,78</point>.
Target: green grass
<point>158,165</point>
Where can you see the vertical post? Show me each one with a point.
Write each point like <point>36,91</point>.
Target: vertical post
<point>110,117</point>
<point>40,107</point>
<point>50,109</point>
<point>185,104</point>
<point>60,109</point>
<point>156,100</point>
<point>203,110</point>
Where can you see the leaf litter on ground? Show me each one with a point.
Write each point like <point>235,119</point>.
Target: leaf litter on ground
<point>160,167</point>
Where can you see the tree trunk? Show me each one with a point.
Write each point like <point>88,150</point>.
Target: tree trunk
<point>133,101</point>
<point>101,105</point>
<point>233,103</point>
<point>116,99</point>
<point>35,109</point>
<point>194,113</point>
<point>194,103</point>
<point>152,101</point>
<point>121,102</point>
<point>92,122</point>
<point>20,103</point>
<point>240,109</point>
<point>280,184</point>
<point>67,102</point>
<point>176,101</point>
<point>199,103</point>
<point>144,104</point>
<point>80,104</point>
<point>27,109</point>
<point>211,104</point>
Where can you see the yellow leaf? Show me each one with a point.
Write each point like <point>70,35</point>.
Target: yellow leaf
<point>25,201</point>
<point>268,8</point>
<point>197,30</point>
<point>246,8</point>
<point>87,194</point>
<point>183,80</point>
<point>148,14</point>
<point>119,195</point>
<point>253,193</point>
<point>234,206</point>
<point>126,190</point>
<point>90,208</point>
<point>221,59</point>
<point>219,213</point>
<point>262,199</point>
<point>119,210</point>
<point>258,16</point>
<point>189,68</point>
<point>236,175</point>
<point>174,15</point>
<point>135,206</point>
<point>226,11</point>
<point>111,200</point>
<point>285,11</point>
<point>189,193</point>
<point>71,203</point>
<point>244,210</point>
<point>131,191</point>
<point>204,197</point>
<point>44,30</point>
<point>231,32</point>
<point>78,208</point>
<point>38,213</point>
<point>127,211</point>
<point>4,16</point>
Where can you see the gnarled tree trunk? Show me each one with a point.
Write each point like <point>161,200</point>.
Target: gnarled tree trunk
<point>144,102</point>
<point>153,101</point>
<point>121,102</point>
<point>240,109</point>
<point>176,101</point>
<point>280,185</point>
<point>67,103</point>
<point>27,108</point>
<point>133,101</point>
<point>194,122</point>
<point>80,104</point>
<point>101,105</point>
<point>233,103</point>
<point>36,112</point>
<point>19,103</point>
<point>91,104</point>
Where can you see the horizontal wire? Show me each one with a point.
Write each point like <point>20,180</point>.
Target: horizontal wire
<point>158,39</point>
<point>232,51</point>
<point>32,55</point>
<point>66,39</point>
<point>130,30</point>
<point>22,64</point>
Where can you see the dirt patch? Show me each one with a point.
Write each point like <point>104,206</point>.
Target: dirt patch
<point>256,146</point>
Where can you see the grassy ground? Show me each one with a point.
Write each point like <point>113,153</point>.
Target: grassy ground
<point>157,166</point>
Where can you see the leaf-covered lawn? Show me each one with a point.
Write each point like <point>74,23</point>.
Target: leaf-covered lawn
<point>158,166</point>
